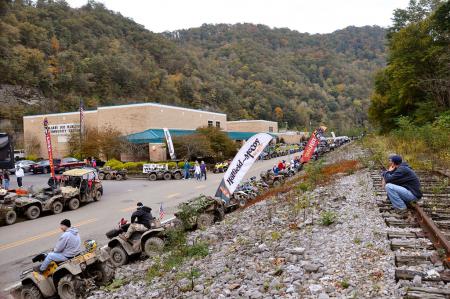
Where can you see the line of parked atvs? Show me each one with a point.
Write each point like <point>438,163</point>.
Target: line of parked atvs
<point>68,191</point>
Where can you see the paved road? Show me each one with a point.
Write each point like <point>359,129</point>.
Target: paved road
<point>21,241</point>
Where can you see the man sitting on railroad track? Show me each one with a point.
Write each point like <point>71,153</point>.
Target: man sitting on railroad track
<point>401,183</point>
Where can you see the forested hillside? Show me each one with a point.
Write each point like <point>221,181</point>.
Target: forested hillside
<point>248,71</point>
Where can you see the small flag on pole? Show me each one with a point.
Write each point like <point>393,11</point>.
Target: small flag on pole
<point>161,212</point>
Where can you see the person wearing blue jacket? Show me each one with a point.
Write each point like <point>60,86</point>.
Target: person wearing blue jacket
<point>68,246</point>
<point>186,168</point>
<point>401,183</point>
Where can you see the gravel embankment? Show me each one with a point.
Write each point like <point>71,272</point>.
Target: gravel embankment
<point>276,248</point>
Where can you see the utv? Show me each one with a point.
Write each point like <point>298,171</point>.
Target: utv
<point>76,186</point>
<point>69,279</point>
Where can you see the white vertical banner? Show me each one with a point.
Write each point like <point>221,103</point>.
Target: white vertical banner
<point>169,143</point>
<point>241,163</point>
<point>334,135</point>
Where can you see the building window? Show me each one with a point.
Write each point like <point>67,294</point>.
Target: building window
<point>270,129</point>
<point>217,124</point>
<point>210,123</point>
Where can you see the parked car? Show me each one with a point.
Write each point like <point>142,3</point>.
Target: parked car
<point>24,164</point>
<point>67,164</point>
<point>42,166</point>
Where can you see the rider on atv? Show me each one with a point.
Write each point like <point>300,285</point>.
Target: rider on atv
<point>68,246</point>
<point>140,221</point>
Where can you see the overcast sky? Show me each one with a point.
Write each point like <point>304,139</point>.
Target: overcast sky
<point>313,16</point>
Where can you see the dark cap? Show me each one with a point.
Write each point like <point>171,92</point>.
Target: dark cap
<point>396,159</point>
<point>65,222</point>
<point>140,204</point>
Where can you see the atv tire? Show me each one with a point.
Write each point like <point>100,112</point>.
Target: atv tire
<point>118,256</point>
<point>108,176</point>
<point>32,212</point>
<point>105,273</point>
<point>101,176</point>
<point>152,177</point>
<point>119,177</point>
<point>276,184</point>
<point>74,204</point>
<point>30,291</point>
<point>68,287</point>
<point>57,207</point>
<point>10,217</point>
<point>98,196</point>
<point>177,224</point>
<point>205,220</point>
<point>177,176</point>
<point>167,176</point>
<point>153,246</point>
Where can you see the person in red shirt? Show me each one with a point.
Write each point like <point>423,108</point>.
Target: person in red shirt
<point>280,166</point>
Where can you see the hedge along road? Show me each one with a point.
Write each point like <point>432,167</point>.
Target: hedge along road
<point>21,241</point>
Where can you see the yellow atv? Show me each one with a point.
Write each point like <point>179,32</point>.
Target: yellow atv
<point>69,279</point>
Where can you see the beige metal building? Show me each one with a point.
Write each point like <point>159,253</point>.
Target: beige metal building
<point>135,120</point>
<point>127,119</point>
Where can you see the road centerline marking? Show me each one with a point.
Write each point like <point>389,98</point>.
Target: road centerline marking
<point>200,187</point>
<point>128,209</point>
<point>41,236</point>
<point>173,195</point>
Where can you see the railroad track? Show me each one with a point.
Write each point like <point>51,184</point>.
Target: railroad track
<point>421,239</point>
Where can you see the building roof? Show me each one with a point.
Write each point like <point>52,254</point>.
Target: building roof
<point>250,120</point>
<point>157,135</point>
<point>126,106</point>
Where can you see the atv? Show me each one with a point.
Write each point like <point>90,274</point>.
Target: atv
<point>150,242</point>
<point>158,172</point>
<point>272,179</point>
<point>220,167</point>
<point>107,173</point>
<point>69,279</point>
<point>8,215</point>
<point>200,212</point>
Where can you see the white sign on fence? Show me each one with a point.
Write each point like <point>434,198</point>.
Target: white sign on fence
<point>147,168</point>
<point>64,129</point>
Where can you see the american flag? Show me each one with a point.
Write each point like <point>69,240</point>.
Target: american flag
<point>81,117</point>
<point>161,212</point>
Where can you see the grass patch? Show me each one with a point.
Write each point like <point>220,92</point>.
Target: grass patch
<point>328,218</point>
<point>178,252</point>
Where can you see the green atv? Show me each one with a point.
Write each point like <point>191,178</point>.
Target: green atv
<point>200,212</point>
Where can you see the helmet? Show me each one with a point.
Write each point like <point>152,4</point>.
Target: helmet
<point>90,245</point>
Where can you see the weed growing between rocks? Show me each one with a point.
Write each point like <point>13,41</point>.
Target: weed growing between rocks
<point>178,251</point>
<point>328,218</point>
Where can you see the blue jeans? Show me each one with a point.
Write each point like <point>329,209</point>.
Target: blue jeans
<point>6,184</point>
<point>52,256</point>
<point>399,196</point>
<point>186,174</point>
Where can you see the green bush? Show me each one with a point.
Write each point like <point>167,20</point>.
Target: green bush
<point>114,164</point>
<point>172,165</point>
<point>31,157</point>
<point>133,165</point>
